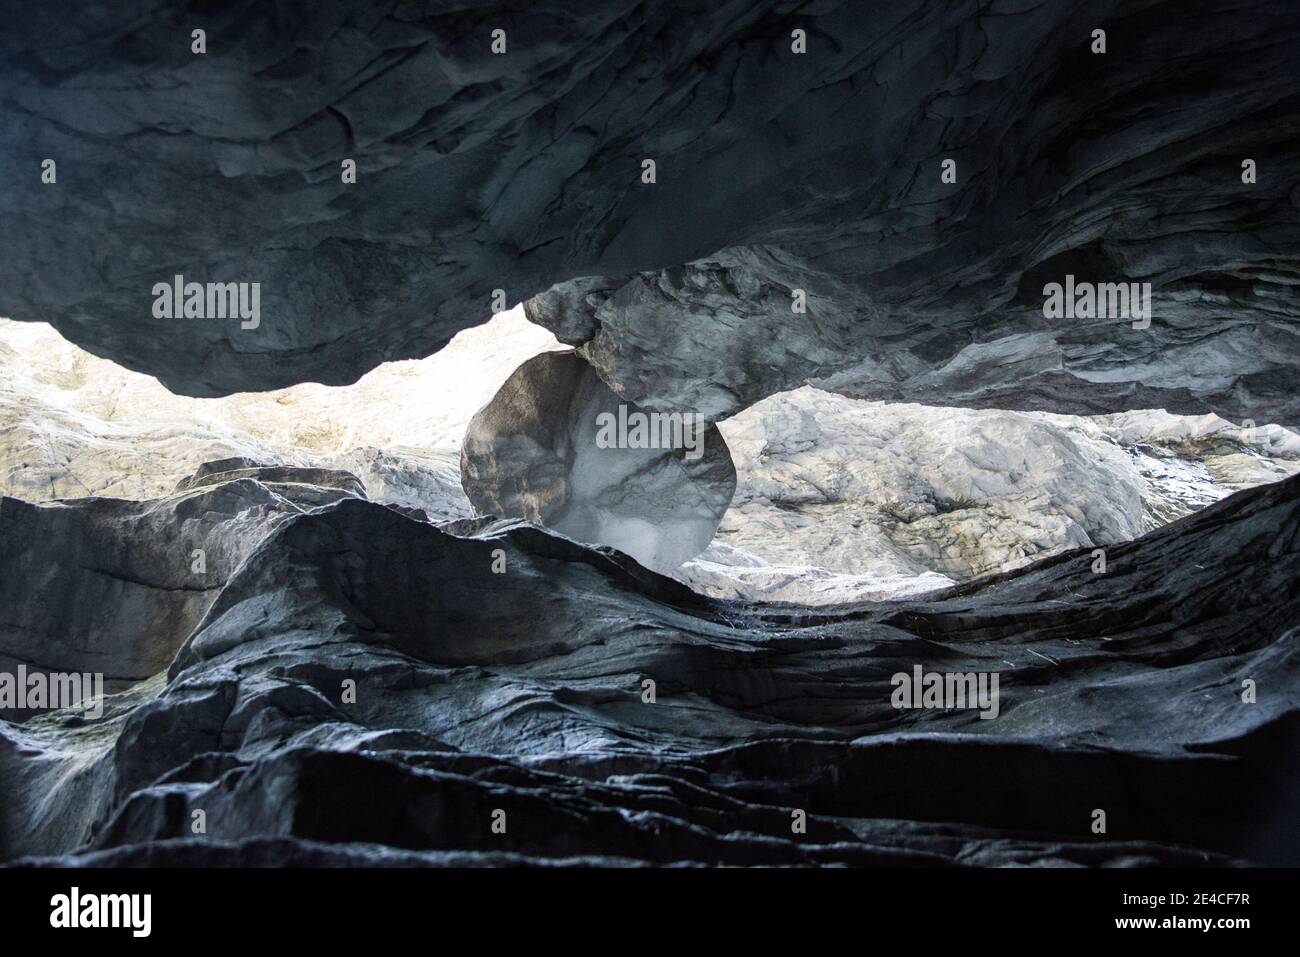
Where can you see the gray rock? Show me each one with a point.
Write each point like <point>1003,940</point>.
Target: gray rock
<point>113,587</point>
<point>838,499</point>
<point>774,170</point>
<point>524,691</point>
<point>719,334</point>
<point>841,500</point>
<point>363,674</point>
<point>535,452</point>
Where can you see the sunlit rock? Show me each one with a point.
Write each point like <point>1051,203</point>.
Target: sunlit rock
<point>843,500</point>
<point>839,500</point>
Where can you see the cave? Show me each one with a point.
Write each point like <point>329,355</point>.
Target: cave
<point>429,485</point>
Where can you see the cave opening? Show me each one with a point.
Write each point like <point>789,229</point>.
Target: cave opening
<point>813,497</point>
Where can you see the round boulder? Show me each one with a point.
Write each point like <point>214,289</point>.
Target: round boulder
<point>558,447</point>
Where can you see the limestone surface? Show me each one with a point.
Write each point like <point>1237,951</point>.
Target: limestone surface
<point>846,500</point>
<point>837,499</point>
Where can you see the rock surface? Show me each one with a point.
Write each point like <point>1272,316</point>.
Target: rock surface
<point>110,586</point>
<point>525,692</point>
<point>838,499</point>
<point>775,170</point>
<point>844,500</point>
<point>557,447</point>
<point>73,425</point>
<point>307,636</point>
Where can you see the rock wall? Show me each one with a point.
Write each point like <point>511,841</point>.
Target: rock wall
<point>527,691</point>
<point>775,170</point>
<point>556,446</point>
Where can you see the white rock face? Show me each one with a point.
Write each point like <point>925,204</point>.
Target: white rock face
<point>1189,461</point>
<point>837,499</point>
<point>74,425</point>
<point>725,571</point>
<point>846,500</point>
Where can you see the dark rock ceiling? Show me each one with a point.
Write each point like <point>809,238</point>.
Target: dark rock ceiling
<point>774,171</point>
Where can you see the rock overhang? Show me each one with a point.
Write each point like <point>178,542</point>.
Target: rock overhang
<point>520,172</point>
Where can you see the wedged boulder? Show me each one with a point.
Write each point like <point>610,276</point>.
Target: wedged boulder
<point>837,499</point>
<point>551,447</point>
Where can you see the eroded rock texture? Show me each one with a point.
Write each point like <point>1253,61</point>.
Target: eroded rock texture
<point>114,587</point>
<point>73,425</point>
<point>311,641</point>
<point>525,692</point>
<point>837,499</point>
<point>775,170</point>
<point>843,500</point>
<point>548,448</point>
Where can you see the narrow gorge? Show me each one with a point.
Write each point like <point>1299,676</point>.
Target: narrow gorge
<point>569,434</point>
